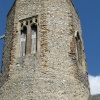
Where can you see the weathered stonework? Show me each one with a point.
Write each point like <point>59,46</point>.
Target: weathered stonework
<point>53,72</point>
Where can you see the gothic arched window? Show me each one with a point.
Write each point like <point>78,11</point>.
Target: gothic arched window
<point>23,41</point>
<point>79,48</point>
<point>28,42</point>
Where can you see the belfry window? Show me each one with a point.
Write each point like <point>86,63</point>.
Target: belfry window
<point>79,48</point>
<point>28,42</point>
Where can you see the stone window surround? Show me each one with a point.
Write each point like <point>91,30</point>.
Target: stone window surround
<point>27,22</point>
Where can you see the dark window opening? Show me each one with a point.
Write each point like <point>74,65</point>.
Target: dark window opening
<point>21,24</point>
<point>26,22</point>
<point>30,21</point>
<point>36,20</point>
<point>79,48</point>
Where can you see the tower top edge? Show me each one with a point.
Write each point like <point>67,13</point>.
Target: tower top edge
<point>11,7</point>
<point>75,8</point>
<point>16,0</point>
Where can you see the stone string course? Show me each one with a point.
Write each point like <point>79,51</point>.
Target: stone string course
<point>53,73</point>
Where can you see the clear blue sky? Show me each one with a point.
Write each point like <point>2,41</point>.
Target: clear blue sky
<point>89,12</point>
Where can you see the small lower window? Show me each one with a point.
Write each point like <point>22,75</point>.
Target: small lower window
<point>79,48</point>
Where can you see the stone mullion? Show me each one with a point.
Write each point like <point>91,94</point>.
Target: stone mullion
<point>28,39</point>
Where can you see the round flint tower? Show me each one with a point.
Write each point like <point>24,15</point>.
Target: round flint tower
<point>43,55</point>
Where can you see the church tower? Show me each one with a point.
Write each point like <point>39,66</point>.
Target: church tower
<point>43,56</point>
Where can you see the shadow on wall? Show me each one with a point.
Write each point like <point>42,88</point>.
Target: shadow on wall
<point>1,51</point>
